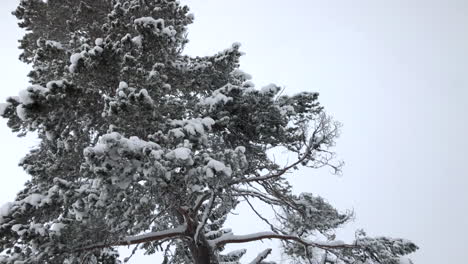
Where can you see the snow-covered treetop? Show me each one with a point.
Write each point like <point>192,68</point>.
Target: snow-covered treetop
<point>143,145</point>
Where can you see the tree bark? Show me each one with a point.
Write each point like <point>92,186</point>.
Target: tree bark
<point>202,253</point>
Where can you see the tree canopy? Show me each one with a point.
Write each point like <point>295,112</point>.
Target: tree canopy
<point>143,145</point>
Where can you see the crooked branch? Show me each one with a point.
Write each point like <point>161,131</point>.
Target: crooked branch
<point>132,240</point>
<point>236,239</point>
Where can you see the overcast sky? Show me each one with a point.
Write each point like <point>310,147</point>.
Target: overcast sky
<point>393,72</point>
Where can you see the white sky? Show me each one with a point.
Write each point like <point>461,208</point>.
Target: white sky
<point>393,72</point>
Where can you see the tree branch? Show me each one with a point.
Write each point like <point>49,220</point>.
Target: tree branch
<point>313,143</point>
<point>273,228</point>
<point>260,257</point>
<point>236,239</point>
<point>261,196</point>
<point>199,202</point>
<point>274,175</point>
<point>131,240</point>
<point>205,216</point>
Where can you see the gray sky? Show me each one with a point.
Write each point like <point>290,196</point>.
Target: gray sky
<point>393,72</point>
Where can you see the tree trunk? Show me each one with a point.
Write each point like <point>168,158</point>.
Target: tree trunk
<point>202,253</point>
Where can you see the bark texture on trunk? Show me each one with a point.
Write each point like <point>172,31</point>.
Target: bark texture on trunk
<point>202,252</point>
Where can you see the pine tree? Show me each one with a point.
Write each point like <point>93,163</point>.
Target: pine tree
<point>143,145</point>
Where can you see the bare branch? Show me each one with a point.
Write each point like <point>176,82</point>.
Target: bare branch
<point>259,195</point>
<point>131,255</point>
<point>200,201</point>
<point>324,133</point>
<point>270,175</point>
<point>206,213</point>
<point>273,228</point>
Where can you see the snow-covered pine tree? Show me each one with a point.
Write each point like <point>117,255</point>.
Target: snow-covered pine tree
<point>143,145</point>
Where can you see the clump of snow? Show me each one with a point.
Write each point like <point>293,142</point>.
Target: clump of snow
<point>149,22</point>
<point>54,44</point>
<point>51,84</point>
<point>113,144</point>
<point>25,95</point>
<point>287,109</point>
<point>21,112</point>
<point>248,85</point>
<point>219,167</point>
<point>77,57</point>
<point>208,122</point>
<point>152,74</point>
<point>241,74</point>
<point>126,38</point>
<point>181,153</point>
<point>229,52</point>
<point>34,199</point>
<point>57,227</point>
<point>138,41</point>
<point>144,93</point>
<point>236,45</point>
<point>218,96</point>
<point>3,107</point>
<point>155,25</point>
<point>177,132</point>
<point>157,154</point>
<point>169,31</point>
<point>136,144</point>
<point>216,99</point>
<point>249,90</point>
<point>131,144</point>
<point>121,94</point>
<point>99,42</point>
<point>192,127</point>
<point>38,89</point>
<point>240,149</point>
<point>96,51</point>
<point>123,85</point>
<point>74,60</point>
<point>5,210</point>
<point>209,173</point>
<point>16,228</point>
<point>37,229</point>
<point>270,89</point>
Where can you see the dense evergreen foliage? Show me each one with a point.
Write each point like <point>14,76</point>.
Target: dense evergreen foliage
<point>143,145</point>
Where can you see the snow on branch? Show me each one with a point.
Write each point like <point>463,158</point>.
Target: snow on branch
<point>260,257</point>
<point>180,230</point>
<point>148,237</point>
<point>236,239</point>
